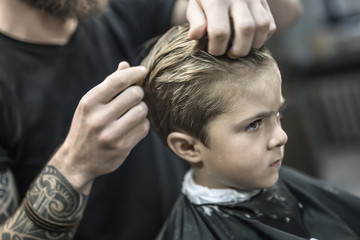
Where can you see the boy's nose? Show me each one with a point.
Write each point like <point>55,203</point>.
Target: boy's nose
<point>279,137</point>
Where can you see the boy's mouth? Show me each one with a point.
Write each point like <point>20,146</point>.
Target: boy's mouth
<point>277,163</point>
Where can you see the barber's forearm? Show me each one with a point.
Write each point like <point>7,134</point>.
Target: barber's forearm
<point>285,12</point>
<point>8,197</point>
<point>52,209</point>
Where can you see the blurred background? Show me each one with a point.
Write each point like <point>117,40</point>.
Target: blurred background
<point>319,58</point>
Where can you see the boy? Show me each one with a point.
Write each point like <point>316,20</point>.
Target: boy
<point>223,117</point>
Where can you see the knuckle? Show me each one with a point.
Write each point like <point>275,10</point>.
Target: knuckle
<point>115,80</point>
<point>125,146</point>
<point>141,110</point>
<point>219,33</point>
<point>137,93</point>
<point>94,123</point>
<point>247,28</point>
<point>85,104</point>
<point>263,24</point>
<point>238,52</point>
<point>272,29</point>
<point>105,138</point>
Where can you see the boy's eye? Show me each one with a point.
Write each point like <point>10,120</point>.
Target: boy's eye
<point>253,126</point>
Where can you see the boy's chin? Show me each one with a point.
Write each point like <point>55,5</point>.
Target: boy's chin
<point>274,179</point>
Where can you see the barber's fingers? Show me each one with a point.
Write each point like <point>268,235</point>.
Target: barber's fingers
<point>252,21</point>
<point>244,29</point>
<point>133,126</point>
<point>197,20</point>
<point>261,23</point>
<point>219,28</point>
<point>215,15</point>
<point>123,102</point>
<point>116,82</point>
<point>253,26</point>
<point>264,21</point>
<point>129,129</point>
<point>272,27</point>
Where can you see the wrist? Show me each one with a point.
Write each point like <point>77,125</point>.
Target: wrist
<point>65,163</point>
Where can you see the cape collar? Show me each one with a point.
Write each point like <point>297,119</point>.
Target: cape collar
<point>198,194</point>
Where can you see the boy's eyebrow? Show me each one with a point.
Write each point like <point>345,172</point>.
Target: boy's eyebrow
<point>266,113</point>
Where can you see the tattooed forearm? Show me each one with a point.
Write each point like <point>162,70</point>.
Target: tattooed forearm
<point>52,209</point>
<point>8,195</point>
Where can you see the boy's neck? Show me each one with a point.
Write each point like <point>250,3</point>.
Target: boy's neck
<point>199,194</point>
<point>25,23</point>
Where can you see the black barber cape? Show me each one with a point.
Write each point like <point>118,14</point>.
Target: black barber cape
<point>296,207</point>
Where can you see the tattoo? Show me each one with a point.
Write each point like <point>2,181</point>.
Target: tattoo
<point>50,204</point>
<point>8,195</point>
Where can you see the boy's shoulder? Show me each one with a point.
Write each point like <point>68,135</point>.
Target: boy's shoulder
<point>191,221</point>
<point>248,220</point>
<point>323,199</point>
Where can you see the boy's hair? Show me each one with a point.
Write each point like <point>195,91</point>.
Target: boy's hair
<point>184,89</point>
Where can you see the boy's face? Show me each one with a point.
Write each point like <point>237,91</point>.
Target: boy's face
<point>246,144</point>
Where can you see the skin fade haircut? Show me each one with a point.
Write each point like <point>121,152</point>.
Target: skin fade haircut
<point>187,87</point>
<point>69,8</point>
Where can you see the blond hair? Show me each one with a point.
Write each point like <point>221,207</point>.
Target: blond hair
<point>183,89</point>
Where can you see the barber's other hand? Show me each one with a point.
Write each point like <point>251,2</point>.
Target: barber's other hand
<point>252,20</point>
<point>108,122</point>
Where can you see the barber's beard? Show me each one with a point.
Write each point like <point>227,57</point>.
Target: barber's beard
<point>69,8</point>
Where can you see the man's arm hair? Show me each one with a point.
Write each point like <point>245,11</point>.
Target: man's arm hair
<point>52,209</point>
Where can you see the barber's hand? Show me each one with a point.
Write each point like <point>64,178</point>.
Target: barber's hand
<point>252,21</point>
<point>109,121</point>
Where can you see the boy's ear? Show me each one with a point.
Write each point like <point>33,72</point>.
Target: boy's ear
<point>184,146</point>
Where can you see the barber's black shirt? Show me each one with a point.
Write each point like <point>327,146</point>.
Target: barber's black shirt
<point>40,87</point>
